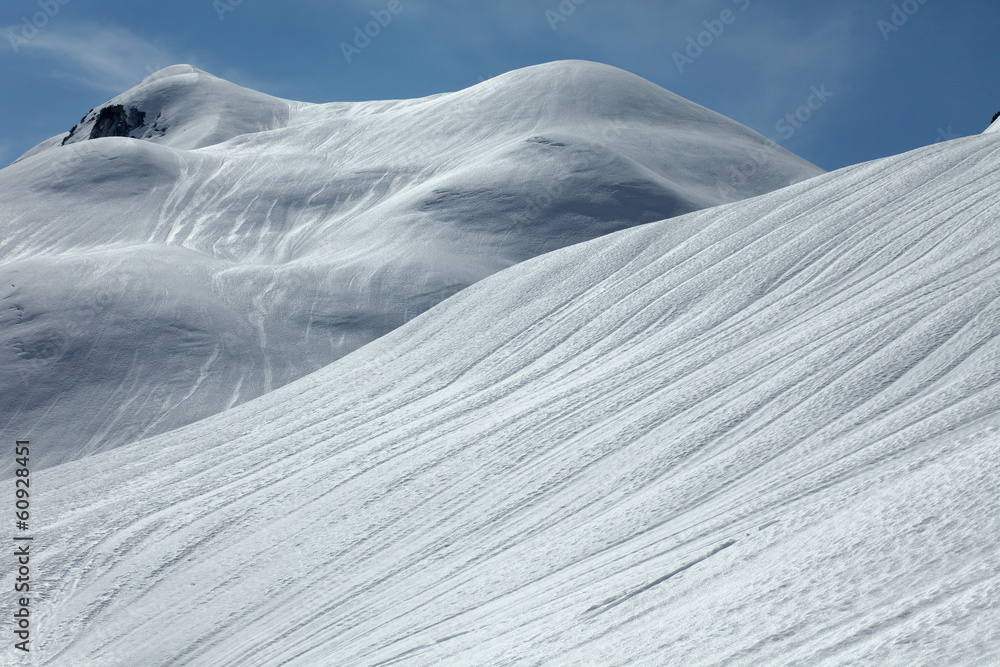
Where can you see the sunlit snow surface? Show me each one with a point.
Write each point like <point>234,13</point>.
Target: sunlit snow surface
<point>237,242</point>
<point>763,433</point>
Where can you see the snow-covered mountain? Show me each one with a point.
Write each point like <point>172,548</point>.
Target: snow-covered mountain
<point>768,432</point>
<point>192,244</point>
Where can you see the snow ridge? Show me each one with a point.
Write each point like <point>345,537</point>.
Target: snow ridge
<point>233,242</point>
<point>764,432</point>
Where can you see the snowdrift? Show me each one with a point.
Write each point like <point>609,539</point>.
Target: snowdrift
<point>765,432</point>
<point>192,244</point>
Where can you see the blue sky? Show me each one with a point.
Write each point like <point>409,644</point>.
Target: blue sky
<point>892,75</point>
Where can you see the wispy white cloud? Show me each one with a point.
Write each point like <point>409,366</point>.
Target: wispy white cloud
<point>101,57</point>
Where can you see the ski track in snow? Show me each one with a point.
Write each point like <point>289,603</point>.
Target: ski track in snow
<point>767,432</point>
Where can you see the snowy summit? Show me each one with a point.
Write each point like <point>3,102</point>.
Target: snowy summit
<point>192,244</point>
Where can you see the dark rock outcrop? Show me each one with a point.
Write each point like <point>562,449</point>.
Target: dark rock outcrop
<point>117,121</point>
<point>76,127</point>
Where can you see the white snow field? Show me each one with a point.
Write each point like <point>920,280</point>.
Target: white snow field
<point>233,242</point>
<point>764,433</point>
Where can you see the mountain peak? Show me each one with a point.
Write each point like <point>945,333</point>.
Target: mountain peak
<point>309,242</point>
<point>184,107</point>
<point>175,70</point>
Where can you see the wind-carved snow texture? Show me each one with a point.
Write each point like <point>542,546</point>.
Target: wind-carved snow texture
<point>234,242</point>
<point>765,433</point>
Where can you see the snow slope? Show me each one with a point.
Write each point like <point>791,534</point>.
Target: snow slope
<point>192,244</point>
<point>765,433</point>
